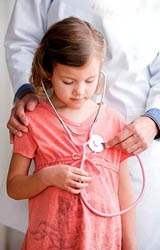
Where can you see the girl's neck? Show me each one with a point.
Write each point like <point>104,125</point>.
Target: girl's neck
<point>76,115</point>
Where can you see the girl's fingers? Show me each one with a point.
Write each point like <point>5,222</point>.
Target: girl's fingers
<point>75,187</point>
<point>79,171</point>
<point>78,185</point>
<point>73,190</point>
<point>81,178</point>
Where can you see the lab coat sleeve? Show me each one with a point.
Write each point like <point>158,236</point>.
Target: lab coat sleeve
<point>153,100</point>
<point>27,25</point>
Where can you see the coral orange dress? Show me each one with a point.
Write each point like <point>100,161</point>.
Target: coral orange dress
<point>59,220</point>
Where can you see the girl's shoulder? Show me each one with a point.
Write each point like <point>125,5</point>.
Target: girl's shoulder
<point>41,115</point>
<point>110,121</point>
<point>42,108</point>
<point>111,113</point>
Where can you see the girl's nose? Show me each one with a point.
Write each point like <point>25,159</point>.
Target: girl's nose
<point>79,89</point>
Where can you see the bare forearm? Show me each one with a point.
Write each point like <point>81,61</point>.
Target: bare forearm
<point>129,231</point>
<point>25,187</point>
<point>129,240</point>
<point>126,198</point>
<point>68,178</point>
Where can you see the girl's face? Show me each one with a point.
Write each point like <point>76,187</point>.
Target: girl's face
<point>73,86</point>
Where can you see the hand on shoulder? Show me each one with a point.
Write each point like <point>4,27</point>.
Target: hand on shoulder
<point>17,123</point>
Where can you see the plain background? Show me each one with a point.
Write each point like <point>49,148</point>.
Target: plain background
<point>9,239</point>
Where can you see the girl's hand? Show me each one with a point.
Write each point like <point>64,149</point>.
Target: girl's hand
<point>68,178</point>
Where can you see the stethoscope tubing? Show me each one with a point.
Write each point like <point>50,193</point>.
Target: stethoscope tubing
<point>126,210</point>
<point>82,193</point>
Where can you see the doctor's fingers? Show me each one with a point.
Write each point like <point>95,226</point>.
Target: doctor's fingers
<point>14,125</point>
<point>31,102</point>
<point>12,132</point>
<point>122,136</point>
<point>18,114</point>
<point>139,139</point>
<point>132,145</point>
<point>28,102</point>
<point>138,151</point>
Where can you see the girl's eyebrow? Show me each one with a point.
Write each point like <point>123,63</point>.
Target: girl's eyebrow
<point>93,76</point>
<point>73,78</point>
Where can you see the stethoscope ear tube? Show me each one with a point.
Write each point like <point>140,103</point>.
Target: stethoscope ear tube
<point>133,205</point>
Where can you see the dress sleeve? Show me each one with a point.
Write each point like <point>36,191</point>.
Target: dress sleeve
<point>25,145</point>
<point>124,155</point>
<point>27,25</point>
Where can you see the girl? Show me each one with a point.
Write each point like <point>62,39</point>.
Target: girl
<point>69,60</point>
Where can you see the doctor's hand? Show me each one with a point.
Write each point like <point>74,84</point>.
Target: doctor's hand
<point>135,137</point>
<point>65,177</point>
<point>18,122</point>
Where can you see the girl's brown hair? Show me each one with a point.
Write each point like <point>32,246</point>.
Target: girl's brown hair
<point>71,42</point>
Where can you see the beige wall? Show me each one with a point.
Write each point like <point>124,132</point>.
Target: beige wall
<point>9,239</point>
<point>6,90</point>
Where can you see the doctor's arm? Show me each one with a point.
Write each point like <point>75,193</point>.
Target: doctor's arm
<point>27,25</point>
<point>139,134</point>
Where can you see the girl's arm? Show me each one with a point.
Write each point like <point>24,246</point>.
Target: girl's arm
<point>126,198</point>
<point>20,185</point>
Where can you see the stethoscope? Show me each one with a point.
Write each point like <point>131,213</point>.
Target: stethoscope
<point>96,144</point>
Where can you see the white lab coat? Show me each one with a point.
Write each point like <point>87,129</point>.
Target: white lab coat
<point>132,68</point>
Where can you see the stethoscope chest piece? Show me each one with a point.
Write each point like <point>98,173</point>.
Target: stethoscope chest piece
<point>96,143</point>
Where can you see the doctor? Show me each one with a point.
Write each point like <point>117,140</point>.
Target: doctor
<point>133,77</point>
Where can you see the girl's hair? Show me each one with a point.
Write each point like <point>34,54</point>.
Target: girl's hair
<point>71,42</point>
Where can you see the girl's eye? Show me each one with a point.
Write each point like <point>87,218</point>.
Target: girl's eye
<point>67,82</point>
<point>90,81</point>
